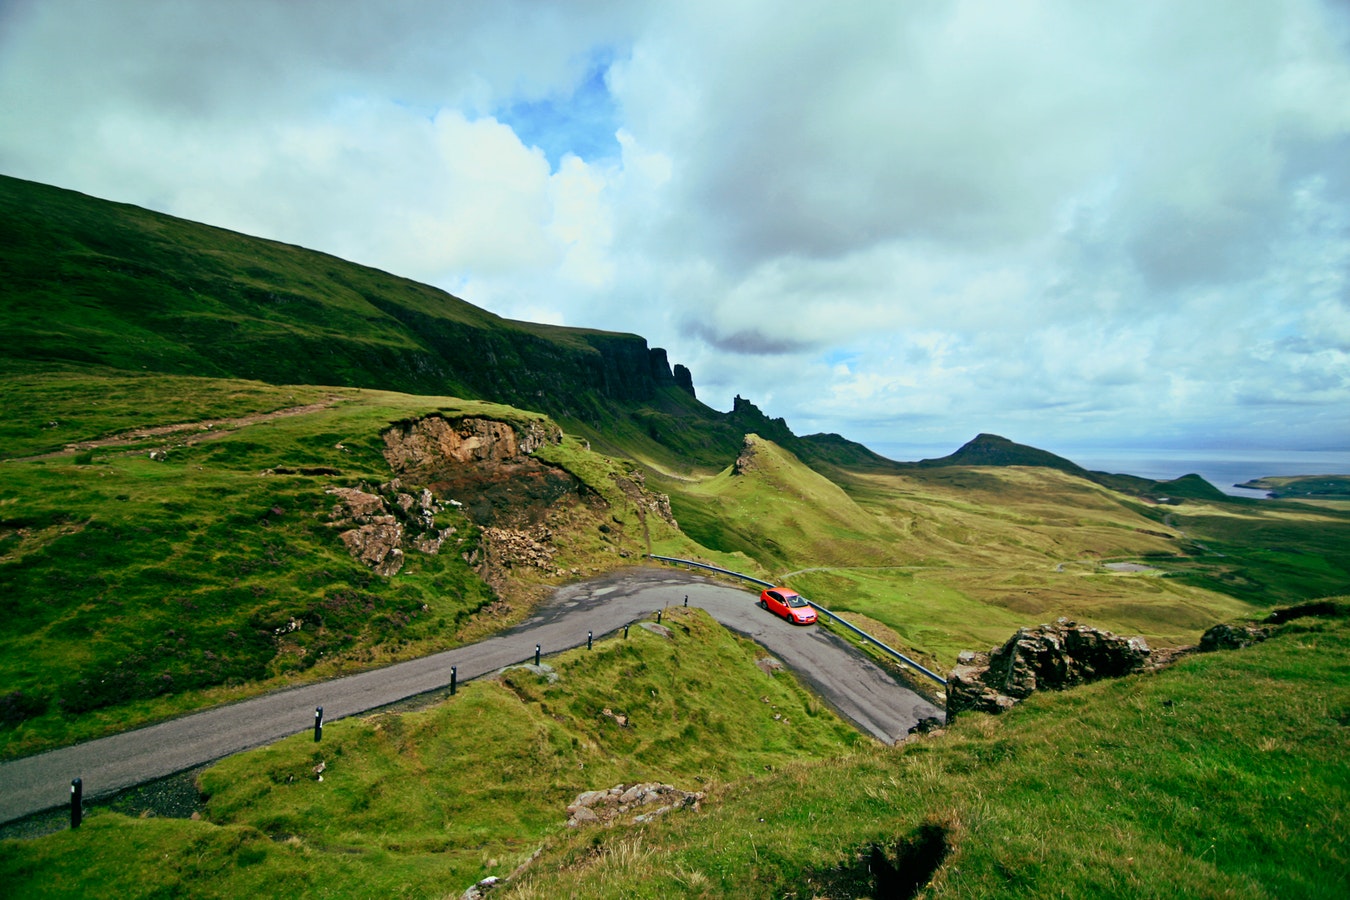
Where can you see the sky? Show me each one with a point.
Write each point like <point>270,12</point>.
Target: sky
<point>1113,224</point>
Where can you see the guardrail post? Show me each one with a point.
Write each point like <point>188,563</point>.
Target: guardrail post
<point>589,636</point>
<point>454,675</point>
<point>536,654</point>
<point>625,632</point>
<point>686,600</point>
<point>76,802</point>
<point>318,724</point>
<point>658,617</point>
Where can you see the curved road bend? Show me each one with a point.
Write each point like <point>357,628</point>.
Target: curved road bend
<point>856,687</point>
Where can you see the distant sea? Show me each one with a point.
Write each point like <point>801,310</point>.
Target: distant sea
<point>1222,468</point>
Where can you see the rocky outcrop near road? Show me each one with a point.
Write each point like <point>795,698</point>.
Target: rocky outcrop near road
<point>1048,657</point>
<point>380,523</point>
<point>484,464</point>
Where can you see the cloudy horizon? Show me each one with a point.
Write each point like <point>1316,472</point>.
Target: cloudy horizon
<point>1113,225</point>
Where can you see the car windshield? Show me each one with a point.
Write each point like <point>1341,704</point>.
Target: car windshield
<point>794,600</point>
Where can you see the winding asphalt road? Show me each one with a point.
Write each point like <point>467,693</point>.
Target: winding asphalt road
<point>856,687</point>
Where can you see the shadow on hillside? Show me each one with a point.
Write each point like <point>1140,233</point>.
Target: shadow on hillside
<point>872,872</point>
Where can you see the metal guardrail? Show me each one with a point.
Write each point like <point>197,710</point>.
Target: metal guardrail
<point>855,629</point>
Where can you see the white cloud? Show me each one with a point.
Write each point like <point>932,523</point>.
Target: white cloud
<point>943,218</point>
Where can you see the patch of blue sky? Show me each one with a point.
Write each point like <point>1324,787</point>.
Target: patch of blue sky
<point>842,356</point>
<point>583,122</point>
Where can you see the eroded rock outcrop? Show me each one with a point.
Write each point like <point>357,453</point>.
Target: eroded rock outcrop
<point>1047,657</point>
<point>484,464</point>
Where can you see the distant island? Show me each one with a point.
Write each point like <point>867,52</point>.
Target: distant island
<point>1322,487</point>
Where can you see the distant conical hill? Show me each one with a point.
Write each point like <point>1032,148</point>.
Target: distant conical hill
<point>993,450</point>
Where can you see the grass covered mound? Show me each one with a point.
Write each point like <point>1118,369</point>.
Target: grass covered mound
<point>1223,776</point>
<point>426,803</point>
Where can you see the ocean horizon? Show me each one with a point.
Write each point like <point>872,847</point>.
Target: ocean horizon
<point>1225,469</point>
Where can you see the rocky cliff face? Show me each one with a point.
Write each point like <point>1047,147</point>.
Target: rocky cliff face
<point>482,464</point>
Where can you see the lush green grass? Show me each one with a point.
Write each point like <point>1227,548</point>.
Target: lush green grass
<point>139,588</point>
<point>780,512</point>
<point>1223,776</point>
<point>1264,552</point>
<point>426,803</point>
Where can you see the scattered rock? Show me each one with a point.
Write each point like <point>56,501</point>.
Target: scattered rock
<point>543,670</point>
<point>602,807</point>
<point>511,548</point>
<point>481,889</point>
<point>1048,657</point>
<point>656,629</point>
<point>355,506</point>
<point>769,666</point>
<point>378,545</point>
<point>379,536</point>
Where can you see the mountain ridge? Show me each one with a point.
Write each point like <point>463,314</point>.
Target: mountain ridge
<point>98,283</point>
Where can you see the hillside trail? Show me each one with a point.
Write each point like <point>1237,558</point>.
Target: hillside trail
<point>204,430</point>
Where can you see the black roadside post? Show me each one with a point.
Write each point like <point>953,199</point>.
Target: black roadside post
<point>76,802</point>
<point>318,723</point>
<point>536,654</point>
<point>625,632</point>
<point>589,635</point>
<point>686,599</point>
<point>658,616</point>
<point>454,673</point>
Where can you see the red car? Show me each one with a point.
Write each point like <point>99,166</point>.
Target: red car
<point>789,604</point>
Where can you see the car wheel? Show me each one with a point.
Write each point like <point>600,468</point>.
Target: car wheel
<point>763,605</point>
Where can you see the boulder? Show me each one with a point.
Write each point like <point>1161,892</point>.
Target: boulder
<point>1047,657</point>
<point>1232,637</point>
<point>378,545</point>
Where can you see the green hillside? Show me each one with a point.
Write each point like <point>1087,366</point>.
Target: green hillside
<point>94,283</point>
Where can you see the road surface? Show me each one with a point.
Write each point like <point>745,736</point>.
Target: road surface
<point>856,687</point>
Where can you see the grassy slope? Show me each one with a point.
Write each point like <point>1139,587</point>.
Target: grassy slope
<point>137,589</point>
<point>1222,776</point>
<point>778,511</point>
<point>93,283</point>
